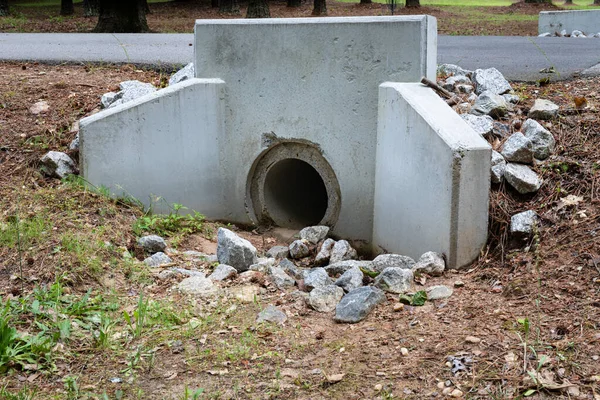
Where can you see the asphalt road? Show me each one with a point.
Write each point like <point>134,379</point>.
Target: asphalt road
<point>518,58</point>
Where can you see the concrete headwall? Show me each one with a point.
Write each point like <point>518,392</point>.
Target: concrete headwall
<point>432,177</point>
<point>312,79</point>
<point>163,144</point>
<point>587,21</point>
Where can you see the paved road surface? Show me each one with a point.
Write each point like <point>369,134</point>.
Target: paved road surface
<point>518,58</point>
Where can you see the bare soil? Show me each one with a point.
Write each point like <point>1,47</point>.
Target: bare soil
<point>532,310</point>
<point>179,17</point>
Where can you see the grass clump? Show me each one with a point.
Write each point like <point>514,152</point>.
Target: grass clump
<point>173,224</point>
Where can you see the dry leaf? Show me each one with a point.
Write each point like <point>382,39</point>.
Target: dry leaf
<point>580,102</point>
<point>335,378</point>
<point>511,360</point>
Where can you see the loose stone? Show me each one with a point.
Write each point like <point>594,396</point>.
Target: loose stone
<point>384,261</point>
<point>395,280</point>
<point>438,292</point>
<point>299,249</point>
<point>522,178</point>
<point>316,277</point>
<point>491,80</point>
<point>325,298</point>
<point>223,272</point>
<point>342,251</point>
<point>543,109</point>
<point>431,263</point>
<point>280,278</point>
<point>343,266</point>
<point>290,269</point>
<point>278,252</point>
<point>314,234</point>
<point>183,74</point>
<point>490,104</point>
<point>522,225</point>
<point>483,125</point>
<point>351,279</point>
<point>271,314</point>
<point>57,164</point>
<point>198,286</point>
<point>324,254</point>
<point>498,166</point>
<point>152,243</point>
<point>356,305</point>
<point>234,250</point>
<point>518,149</point>
<point>157,259</point>
<point>542,140</point>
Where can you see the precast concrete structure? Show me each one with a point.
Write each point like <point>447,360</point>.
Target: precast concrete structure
<point>280,126</point>
<point>587,21</point>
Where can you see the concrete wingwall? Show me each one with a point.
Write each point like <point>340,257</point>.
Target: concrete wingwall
<point>587,21</point>
<point>163,144</point>
<point>315,80</point>
<point>432,177</point>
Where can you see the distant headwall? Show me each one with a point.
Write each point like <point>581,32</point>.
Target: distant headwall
<point>587,21</point>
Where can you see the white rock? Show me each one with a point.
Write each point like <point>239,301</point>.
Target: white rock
<point>325,298</point>
<point>351,279</point>
<point>198,286</point>
<point>395,280</point>
<point>183,74</point>
<point>57,164</point>
<point>109,98</point>
<point>280,278</point>
<point>278,252</point>
<point>431,263</point>
<point>324,254</point>
<point>39,107</point>
<point>451,69</point>
<point>498,166</point>
<point>316,277</point>
<point>339,268</point>
<point>522,178</point>
<point>543,109</point>
<point>384,261</point>
<point>314,234</point>
<point>157,259</point>
<point>542,140</point>
<point>518,148</point>
<point>438,292</point>
<point>298,249</point>
<point>523,224</point>
<point>490,80</point>
<point>545,34</point>
<point>483,125</point>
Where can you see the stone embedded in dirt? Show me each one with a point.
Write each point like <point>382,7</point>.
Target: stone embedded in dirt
<point>472,339</point>
<point>324,254</point>
<point>491,80</point>
<point>522,178</point>
<point>316,277</point>
<point>134,89</point>
<point>299,249</point>
<point>490,104</point>
<point>395,280</point>
<point>278,252</point>
<point>542,140</point>
<point>543,109</point>
<point>183,74</point>
<point>280,278</point>
<point>384,261</point>
<point>518,148</point>
<point>451,69</point>
<point>325,298</point>
<point>351,279</point>
<point>291,269</point>
<point>522,225</point>
<point>187,272</point>
<point>500,129</point>
<point>157,259</point>
<point>357,304</point>
<point>262,264</point>
<point>431,263</point>
<point>198,286</point>
<point>74,145</point>
<point>498,166</point>
<point>244,293</point>
<point>152,243</point>
<point>39,107</point>
<point>314,234</point>
<point>343,266</point>
<point>483,124</point>
<point>57,164</point>
<point>234,250</point>
<point>197,256</point>
<point>454,80</point>
<point>438,292</point>
<point>342,251</point>
<point>223,272</point>
<point>511,98</point>
<point>109,98</point>
<point>271,314</point>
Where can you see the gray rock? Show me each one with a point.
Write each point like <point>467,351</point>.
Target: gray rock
<point>563,33</point>
<point>395,280</point>
<point>342,251</point>
<point>384,261</point>
<point>152,243</point>
<point>244,293</point>
<point>131,90</point>
<point>196,256</point>
<point>596,35</point>
<point>290,269</point>
<point>490,104</point>
<point>166,274</point>
<point>234,250</point>
<point>316,277</point>
<point>187,272</point>
<point>109,98</point>
<point>454,80</point>
<point>198,286</point>
<point>157,259</point>
<point>271,314</point>
<point>57,164</point>
<point>280,278</point>
<point>325,298</point>
<point>278,252</point>
<point>438,292</point>
<point>522,178</point>
<point>183,74</point>
<point>542,140</point>
<point>463,88</point>
<point>223,272</point>
<point>263,264</point>
<point>74,145</point>
<point>500,129</point>
<point>491,80</point>
<point>522,225</point>
<point>324,254</point>
<point>511,98</point>
<point>498,166</point>
<point>483,125</point>
<point>299,249</point>
<point>351,279</point>
<point>314,234</point>
<point>451,69</point>
<point>543,109</point>
<point>356,305</point>
<point>431,263</point>
<point>339,268</point>
<point>518,148</point>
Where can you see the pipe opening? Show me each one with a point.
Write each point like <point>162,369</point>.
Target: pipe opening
<point>295,194</point>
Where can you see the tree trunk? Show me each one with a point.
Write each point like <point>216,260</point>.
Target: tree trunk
<point>229,6</point>
<point>3,7</point>
<point>214,3</point>
<point>122,16</point>
<point>538,1</point>
<point>319,7</point>
<point>91,8</point>
<point>413,3</point>
<point>66,7</point>
<point>258,9</point>
<point>147,7</point>
<point>597,2</point>
<point>365,1</point>
<point>297,3</point>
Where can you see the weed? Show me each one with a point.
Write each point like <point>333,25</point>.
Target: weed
<point>169,225</point>
<point>189,395</point>
<point>137,321</point>
<point>25,231</point>
<point>23,394</point>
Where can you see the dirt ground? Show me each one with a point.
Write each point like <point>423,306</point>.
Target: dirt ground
<point>520,19</point>
<point>519,313</point>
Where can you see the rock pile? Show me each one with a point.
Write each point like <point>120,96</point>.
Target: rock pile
<point>489,110</point>
<point>574,34</point>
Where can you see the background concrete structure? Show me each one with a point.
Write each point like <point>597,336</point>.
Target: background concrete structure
<point>432,179</point>
<point>587,21</point>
